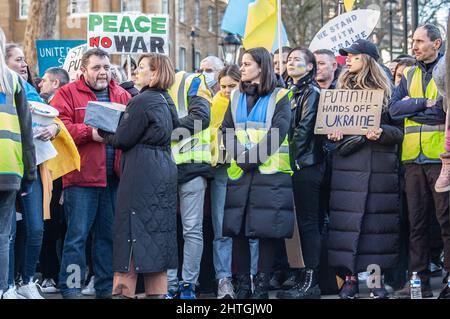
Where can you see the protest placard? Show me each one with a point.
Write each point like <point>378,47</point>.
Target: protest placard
<point>52,53</point>
<point>73,61</point>
<point>128,33</point>
<point>345,29</point>
<point>352,112</point>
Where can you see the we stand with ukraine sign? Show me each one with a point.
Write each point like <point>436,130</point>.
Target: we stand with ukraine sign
<point>128,34</point>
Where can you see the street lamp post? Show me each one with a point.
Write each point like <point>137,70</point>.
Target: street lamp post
<point>230,47</point>
<point>390,5</point>
<point>193,35</point>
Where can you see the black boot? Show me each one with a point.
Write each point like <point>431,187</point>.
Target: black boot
<point>307,288</point>
<point>243,287</point>
<point>262,280</point>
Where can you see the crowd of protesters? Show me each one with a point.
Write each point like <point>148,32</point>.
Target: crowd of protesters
<point>236,143</point>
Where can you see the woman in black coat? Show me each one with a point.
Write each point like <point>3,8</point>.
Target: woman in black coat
<point>365,192</point>
<point>145,239</point>
<point>307,162</point>
<point>259,193</point>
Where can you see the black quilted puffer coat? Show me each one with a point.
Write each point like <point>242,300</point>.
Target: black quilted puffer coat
<point>145,220</point>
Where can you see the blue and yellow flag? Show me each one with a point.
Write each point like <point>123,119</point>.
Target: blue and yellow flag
<point>261,27</point>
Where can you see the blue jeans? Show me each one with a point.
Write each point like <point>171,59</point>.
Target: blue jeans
<point>88,209</point>
<point>7,209</point>
<point>33,218</point>
<point>223,246</point>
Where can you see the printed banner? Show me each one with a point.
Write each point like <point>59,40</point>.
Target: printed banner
<point>342,31</point>
<point>52,53</point>
<point>128,34</point>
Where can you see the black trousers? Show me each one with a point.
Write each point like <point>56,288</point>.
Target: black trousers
<point>307,185</point>
<point>241,252</point>
<point>423,201</point>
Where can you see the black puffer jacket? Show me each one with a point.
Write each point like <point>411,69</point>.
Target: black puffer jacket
<point>305,148</point>
<point>259,205</point>
<point>365,204</point>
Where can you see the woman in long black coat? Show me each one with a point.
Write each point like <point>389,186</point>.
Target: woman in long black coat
<point>259,201</point>
<point>365,190</point>
<point>145,239</point>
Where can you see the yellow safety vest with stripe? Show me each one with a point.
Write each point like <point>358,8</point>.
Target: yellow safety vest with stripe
<point>11,161</point>
<point>421,138</point>
<point>197,147</point>
<point>251,131</point>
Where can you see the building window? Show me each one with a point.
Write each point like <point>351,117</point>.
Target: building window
<point>23,8</point>
<point>197,13</point>
<point>165,6</point>
<point>210,19</point>
<point>182,60</point>
<point>131,6</point>
<point>79,7</point>
<point>197,60</point>
<point>181,10</point>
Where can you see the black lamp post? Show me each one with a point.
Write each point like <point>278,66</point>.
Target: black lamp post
<point>193,35</point>
<point>230,47</point>
<point>390,5</point>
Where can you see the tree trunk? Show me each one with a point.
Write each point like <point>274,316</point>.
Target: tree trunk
<point>41,25</point>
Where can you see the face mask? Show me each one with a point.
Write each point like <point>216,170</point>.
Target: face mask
<point>209,78</point>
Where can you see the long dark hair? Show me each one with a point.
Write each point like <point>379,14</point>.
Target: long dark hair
<point>268,81</point>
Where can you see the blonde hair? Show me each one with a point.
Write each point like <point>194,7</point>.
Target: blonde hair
<point>4,70</point>
<point>370,77</point>
<point>162,68</point>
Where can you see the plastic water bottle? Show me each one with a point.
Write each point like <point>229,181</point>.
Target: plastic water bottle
<point>415,285</point>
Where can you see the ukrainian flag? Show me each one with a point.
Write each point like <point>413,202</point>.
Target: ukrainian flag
<point>255,21</point>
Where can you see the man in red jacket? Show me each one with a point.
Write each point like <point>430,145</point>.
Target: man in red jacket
<point>90,194</point>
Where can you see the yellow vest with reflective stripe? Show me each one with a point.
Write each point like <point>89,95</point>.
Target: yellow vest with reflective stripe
<point>195,148</point>
<point>250,133</point>
<point>420,138</point>
<point>11,161</point>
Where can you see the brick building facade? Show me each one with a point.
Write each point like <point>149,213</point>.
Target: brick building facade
<point>194,24</point>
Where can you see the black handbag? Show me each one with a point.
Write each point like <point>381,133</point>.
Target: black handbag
<point>350,144</point>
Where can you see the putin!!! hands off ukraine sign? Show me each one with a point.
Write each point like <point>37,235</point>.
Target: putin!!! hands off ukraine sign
<point>128,34</point>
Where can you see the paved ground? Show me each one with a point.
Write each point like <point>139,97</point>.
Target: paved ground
<point>436,285</point>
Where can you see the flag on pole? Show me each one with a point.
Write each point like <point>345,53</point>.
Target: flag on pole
<point>348,4</point>
<point>261,26</point>
<point>235,16</point>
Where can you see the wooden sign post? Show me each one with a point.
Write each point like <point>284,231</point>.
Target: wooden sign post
<point>352,112</point>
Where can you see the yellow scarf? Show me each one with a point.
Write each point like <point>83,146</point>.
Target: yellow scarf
<point>219,106</point>
<point>67,160</point>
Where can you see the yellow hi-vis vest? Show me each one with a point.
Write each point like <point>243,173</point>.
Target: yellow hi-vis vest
<point>11,161</point>
<point>197,147</point>
<point>419,138</point>
<point>250,133</point>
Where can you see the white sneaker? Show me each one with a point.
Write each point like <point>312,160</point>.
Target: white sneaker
<point>89,290</point>
<point>48,286</point>
<point>11,293</point>
<point>29,291</point>
<point>225,289</point>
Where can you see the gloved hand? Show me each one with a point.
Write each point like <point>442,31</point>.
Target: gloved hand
<point>244,163</point>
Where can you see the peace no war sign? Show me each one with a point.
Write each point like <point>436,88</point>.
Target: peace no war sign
<point>352,112</point>
<point>128,33</point>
